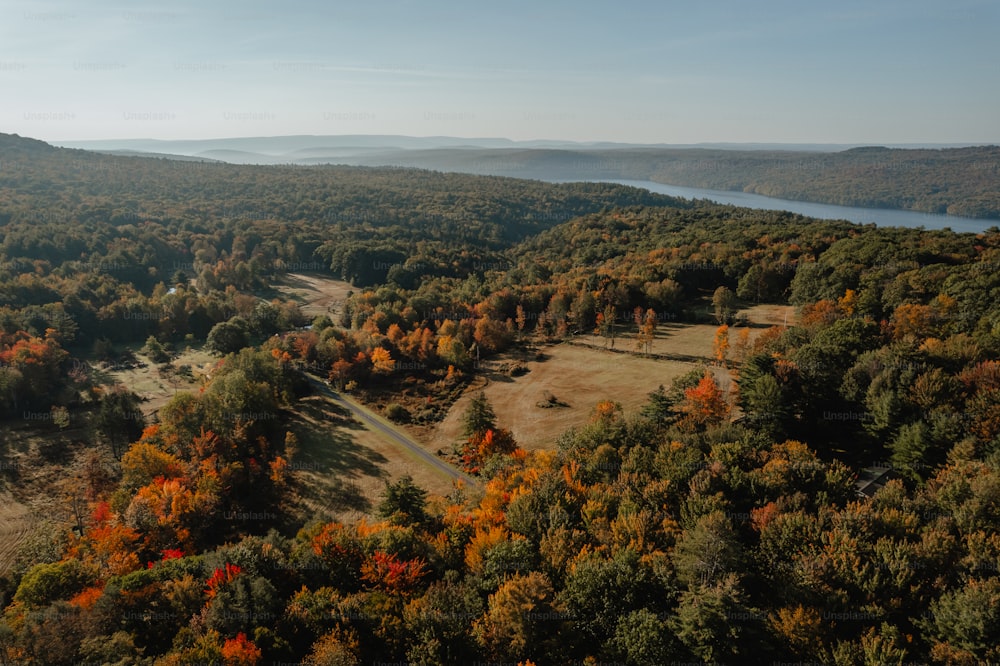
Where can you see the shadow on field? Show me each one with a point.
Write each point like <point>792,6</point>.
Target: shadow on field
<point>333,471</point>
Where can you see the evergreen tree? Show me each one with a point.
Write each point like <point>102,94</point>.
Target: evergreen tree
<point>479,416</point>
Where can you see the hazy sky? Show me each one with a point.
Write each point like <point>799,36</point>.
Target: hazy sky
<point>898,71</point>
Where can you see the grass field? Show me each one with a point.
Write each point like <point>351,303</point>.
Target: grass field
<point>315,294</point>
<point>583,373</point>
<point>579,377</point>
<point>158,388</point>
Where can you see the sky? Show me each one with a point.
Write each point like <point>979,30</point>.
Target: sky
<point>770,71</point>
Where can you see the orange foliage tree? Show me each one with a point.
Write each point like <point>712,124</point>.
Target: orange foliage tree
<point>387,571</point>
<point>720,345</point>
<point>480,447</point>
<point>705,404</point>
<point>240,651</point>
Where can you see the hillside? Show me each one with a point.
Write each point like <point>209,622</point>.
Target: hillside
<point>960,180</point>
<point>956,181</point>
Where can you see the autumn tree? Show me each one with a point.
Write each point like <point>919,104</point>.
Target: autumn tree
<point>382,361</point>
<point>482,446</point>
<point>519,619</point>
<point>720,345</point>
<point>705,404</point>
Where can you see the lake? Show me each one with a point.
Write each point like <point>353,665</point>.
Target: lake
<point>883,217</point>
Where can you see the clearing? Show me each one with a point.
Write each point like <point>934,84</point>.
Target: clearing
<point>315,294</point>
<point>579,377</point>
<point>583,372</point>
<point>156,386</point>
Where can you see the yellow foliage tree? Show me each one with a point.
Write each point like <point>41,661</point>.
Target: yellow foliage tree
<point>382,361</point>
<point>720,346</point>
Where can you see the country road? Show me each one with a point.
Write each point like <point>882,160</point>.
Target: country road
<point>389,432</point>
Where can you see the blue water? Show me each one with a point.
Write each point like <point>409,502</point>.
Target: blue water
<point>883,217</point>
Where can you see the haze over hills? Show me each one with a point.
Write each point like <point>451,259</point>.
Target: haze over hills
<point>937,178</point>
<point>297,148</point>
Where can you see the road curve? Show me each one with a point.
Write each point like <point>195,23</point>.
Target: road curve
<point>392,434</point>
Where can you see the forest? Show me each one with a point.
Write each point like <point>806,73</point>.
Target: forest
<point>956,181</point>
<point>698,529</point>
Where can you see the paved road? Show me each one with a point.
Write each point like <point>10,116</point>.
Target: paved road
<point>380,425</point>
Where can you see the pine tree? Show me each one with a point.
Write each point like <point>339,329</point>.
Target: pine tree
<point>479,416</point>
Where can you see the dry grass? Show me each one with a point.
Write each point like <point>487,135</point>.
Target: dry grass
<point>579,377</point>
<point>44,468</point>
<point>315,294</point>
<point>158,388</point>
<point>342,466</point>
<point>771,315</point>
<point>15,526</point>
<point>583,373</point>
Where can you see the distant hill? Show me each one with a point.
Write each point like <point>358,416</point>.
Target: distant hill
<point>957,180</point>
<point>165,156</point>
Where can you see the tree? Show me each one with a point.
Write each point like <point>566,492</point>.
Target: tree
<point>119,420</point>
<point>451,350</point>
<point>606,324</point>
<point>599,592</point>
<point>641,637</point>
<point>705,623</point>
<point>720,345</point>
<point>481,447</point>
<point>240,651</point>
<point>45,583</point>
<point>520,318</point>
<point>520,619</point>
<point>742,345</point>
<point>705,404</point>
<point>968,618</point>
<point>337,648</point>
<point>382,361</point>
<point>155,351</point>
<point>60,416</point>
<point>491,335</point>
<point>404,501</point>
<point>724,302</point>
<point>660,407</point>
<point>479,416</point>
<point>708,551</point>
<point>227,337</point>
<point>649,329</point>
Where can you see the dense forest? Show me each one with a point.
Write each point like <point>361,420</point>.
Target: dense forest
<point>957,181</point>
<point>695,530</point>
